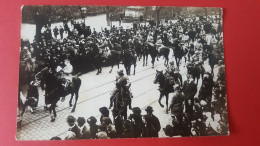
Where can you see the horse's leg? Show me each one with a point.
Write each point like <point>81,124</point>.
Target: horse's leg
<point>167,59</point>
<point>75,104</point>
<point>153,60</point>
<point>212,69</point>
<point>160,98</point>
<point>126,69</point>
<point>167,97</point>
<point>52,108</point>
<point>146,59</point>
<point>97,71</point>
<point>134,67</point>
<point>70,102</point>
<point>118,64</point>
<point>177,62</point>
<point>129,69</point>
<point>54,111</point>
<point>124,113</point>
<point>112,66</point>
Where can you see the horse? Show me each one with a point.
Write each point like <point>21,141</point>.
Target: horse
<point>179,53</point>
<point>196,70</point>
<point>165,87</point>
<point>114,57</point>
<point>129,59</point>
<point>121,102</point>
<point>138,48</point>
<point>145,53</point>
<point>164,51</point>
<point>151,49</point>
<point>55,90</point>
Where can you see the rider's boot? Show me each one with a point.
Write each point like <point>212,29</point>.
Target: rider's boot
<point>130,104</point>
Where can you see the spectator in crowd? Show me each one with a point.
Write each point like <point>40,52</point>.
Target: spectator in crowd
<point>73,127</point>
<point>93,127</point>
<point>56,32</point>
<point>153,125</point>
<point>118,122</point>
<point>61,32</point>
<point>191,116</point>
<point>84,130</point>
<point>104,113</point>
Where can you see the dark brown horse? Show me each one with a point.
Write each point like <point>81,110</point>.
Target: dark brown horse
<point>196,70</point>
<point>121,101</point>
<point>164,51</point>
<point>150,49</point>
<point>114,58</point>
<point>55,89</point>
<point>164,87</point>
<point>129,59</point>
<point>179,53</point>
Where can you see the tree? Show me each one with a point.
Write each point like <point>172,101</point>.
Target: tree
<point>45,15</point>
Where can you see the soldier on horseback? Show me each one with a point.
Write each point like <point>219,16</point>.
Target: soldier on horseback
<point>172,73</point>
<point>122,89</point>
<point>65,73</point>
<point>104,47</point>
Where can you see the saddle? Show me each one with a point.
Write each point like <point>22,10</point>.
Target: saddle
<point>65,82</point>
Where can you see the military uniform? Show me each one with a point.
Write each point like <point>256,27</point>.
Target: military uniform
<point>122,87</point>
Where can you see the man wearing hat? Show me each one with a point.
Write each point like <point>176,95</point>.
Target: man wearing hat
<point>104,113</point>
<point>152,123</point>
<point>118,122</point>
<point>137,122</point>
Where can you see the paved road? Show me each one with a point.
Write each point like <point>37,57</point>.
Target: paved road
<point>94,93</point>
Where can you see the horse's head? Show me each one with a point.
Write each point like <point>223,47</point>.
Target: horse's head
<point>159,76</point>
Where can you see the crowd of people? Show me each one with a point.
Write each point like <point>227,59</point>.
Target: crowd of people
<point>194,112</point>
<point>135,126</point>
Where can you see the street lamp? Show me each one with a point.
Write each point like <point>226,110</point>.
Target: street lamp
<point>84,11</point>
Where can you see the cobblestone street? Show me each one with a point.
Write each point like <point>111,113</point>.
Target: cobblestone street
<point>94,93</point>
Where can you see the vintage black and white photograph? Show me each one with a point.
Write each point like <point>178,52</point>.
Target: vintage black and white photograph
<point>108,72</point>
